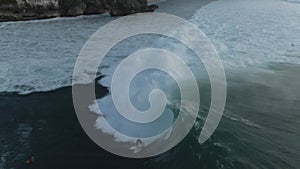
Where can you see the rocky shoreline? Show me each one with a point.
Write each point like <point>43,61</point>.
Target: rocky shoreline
<point>18,10</point>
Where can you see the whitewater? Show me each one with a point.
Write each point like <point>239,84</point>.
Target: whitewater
<point>257,41</point>
<point>40,55</point>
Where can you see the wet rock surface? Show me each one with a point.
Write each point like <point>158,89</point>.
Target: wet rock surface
<point>14,10</point>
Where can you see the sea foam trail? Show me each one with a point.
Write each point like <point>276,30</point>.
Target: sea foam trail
<point>241,39</point>
<point>40,55</point>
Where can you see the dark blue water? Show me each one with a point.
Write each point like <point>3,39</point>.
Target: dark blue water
<point>258,42</point>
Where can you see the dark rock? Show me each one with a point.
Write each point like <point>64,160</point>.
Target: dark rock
<point>95,7</point>
<point>127,7</point>
<point>12,10</point>
<point>150,8</point>
<point>75,11</point>
<point>79,7</point>
<point>72,7</point>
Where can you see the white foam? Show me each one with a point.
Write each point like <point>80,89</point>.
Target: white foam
<point>245,33</point>
<point>251,32</point>
<point>2,26</point>
<point>40,55</point>
<point>126,131</point>
<point>294,1</point>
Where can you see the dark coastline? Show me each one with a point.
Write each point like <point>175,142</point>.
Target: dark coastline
<point>57,139</point>
<point>259,128</point>
<point>13,10</point>
<point>170,6</point>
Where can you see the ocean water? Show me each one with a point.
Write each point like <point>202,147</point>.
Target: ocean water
<point>258,43</point>
<point>40,55</point>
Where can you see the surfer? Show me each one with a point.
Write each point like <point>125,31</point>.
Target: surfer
<point>139,143</point>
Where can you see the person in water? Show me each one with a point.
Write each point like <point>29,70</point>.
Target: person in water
<point>30,160</point>
<point>139,143</point>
